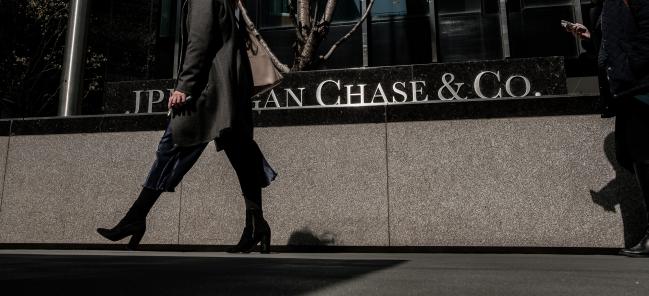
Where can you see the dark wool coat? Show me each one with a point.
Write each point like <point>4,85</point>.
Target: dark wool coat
<point>216,73</point>
<point>625,57</point>
<point>625,43</point>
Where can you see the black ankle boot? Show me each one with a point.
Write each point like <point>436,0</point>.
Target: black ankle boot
<point>245,242</point>
<point>257,232</point>
<point>134,222</point>
<point>639,250</point>
<point>123,229</point>
<point>642,248</point>
<point>260,231</point>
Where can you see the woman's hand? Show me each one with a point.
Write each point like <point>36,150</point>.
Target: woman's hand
<point>177,99</point>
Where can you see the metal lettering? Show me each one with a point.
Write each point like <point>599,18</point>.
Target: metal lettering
<point>290,92</point>
<point>508,86</point>
<point>447,79</point>
<point>138,98</point>
<point>318,93</point>
<point>478,88</point>
<point>360,94</point>
<point>416,90</point>
<point>274,99</point>
<point>161,97</point>
<point>379,89</point>
<point>401,92</point>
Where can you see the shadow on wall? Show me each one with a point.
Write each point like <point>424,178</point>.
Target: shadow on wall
<point>625,192</point>
<point>306,237</point>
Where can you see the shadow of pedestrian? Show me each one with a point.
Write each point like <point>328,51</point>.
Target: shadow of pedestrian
<point>186,275</point>
<point>625,192</point>
<point>306,237</point>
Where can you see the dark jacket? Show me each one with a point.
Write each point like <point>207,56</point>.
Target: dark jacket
<point>625,57</point>
<point>216,73</point>
<point>624,51</point>
<point>592,46</point>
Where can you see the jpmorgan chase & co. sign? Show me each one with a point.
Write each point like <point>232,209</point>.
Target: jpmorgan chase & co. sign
<point>374,86</point>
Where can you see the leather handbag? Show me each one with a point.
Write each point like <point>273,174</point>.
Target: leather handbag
<point>264,73</point>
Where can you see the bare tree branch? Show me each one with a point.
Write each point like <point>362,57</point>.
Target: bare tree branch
<point>349,34</point>
<point>251,26</point>
<point>49,99</point>
<point>305,57</point>
<point>314,17</point>
<point>329,12</point>
<point>292,11</point>
<point>303,16</point>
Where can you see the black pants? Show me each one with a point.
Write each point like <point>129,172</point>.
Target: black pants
<point>632,132</point>
<point>173,162</point>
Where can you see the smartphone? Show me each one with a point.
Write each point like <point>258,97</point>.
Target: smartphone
<point>568,25</point>
<point>189,98</point>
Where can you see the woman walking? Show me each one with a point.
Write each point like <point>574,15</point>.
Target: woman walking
<point>211,102</point>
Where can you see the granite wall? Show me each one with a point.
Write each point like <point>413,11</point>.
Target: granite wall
<point>526,181</point>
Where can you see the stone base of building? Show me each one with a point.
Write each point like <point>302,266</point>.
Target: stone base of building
<point>547,181</point>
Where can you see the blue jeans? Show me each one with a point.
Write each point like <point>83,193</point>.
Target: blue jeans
<point>173,162</point>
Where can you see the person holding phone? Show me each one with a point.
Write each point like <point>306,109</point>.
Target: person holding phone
<point>591,41</point>
<point>624,56</point>
<point>211,102</point>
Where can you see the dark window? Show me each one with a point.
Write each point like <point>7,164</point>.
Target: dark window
<point>535,28</point>
<point>137,41</point>
<point>275,13</point>
<point>127,40</point>
<point>468,30</point>
<point>400,33</point>
<point>392,8</point>
<point>137,37</point>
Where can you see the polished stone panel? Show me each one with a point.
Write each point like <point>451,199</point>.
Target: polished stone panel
<point>134,123</point>
<point>356,87</point>
<point>588,85</point>
<point>331,189</point>
<point>5,127</point>
<point>540,181</point>
<point>453,81</point>
<point>211,203</point>
<point>431,110</point>
<point>345,87</point>
<point>59,188</point>
<point>56,125</point>
<point>4,145</point>
<point>143,96</point>
<point>481,181</point>
<point>319,116</point>
<point>494,108</point>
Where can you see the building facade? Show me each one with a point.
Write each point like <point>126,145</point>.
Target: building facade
<point>138,40</point>
<point>399,32</point>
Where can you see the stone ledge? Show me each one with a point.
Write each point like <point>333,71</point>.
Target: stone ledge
<point>423,111</point>
<point>323,249</point>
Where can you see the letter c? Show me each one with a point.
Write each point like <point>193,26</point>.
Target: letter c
<point>478,81</point>
<point>319,92</point>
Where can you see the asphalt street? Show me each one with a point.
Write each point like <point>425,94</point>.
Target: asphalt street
<point>31,272</point>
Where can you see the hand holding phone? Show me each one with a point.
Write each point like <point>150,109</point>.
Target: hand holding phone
<point>577,29</point>
<point>177,100</point>
<point>568,25</point>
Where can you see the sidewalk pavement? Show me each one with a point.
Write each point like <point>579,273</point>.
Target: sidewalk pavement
<point>29,272</point>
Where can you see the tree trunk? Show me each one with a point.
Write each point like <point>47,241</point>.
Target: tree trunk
<point>310,32</point>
